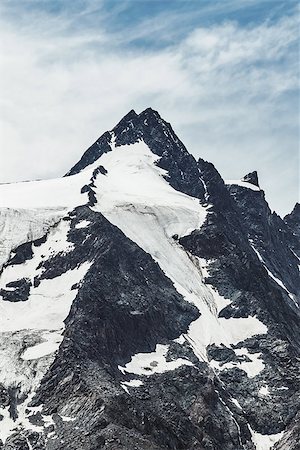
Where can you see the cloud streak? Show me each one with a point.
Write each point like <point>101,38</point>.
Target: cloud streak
<point>229,89</point>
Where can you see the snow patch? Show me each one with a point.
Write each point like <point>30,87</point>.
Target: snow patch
<point>252,367</point>
<point>9,426</point>
<point>50,345</point>
<point>82,224</point>
<point>154,362</point>
<point>244,184</point>
<point>67,418</point>
<point>131,383</point>
<point>180,340</point>
<point>264,441</point>
<point>264,391</point>
<point>236,403</point>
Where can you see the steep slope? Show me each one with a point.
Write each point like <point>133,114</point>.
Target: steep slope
<point>235,270</point>
<point>292,220</point>
<point>270,238</point>
<point>158,311</point>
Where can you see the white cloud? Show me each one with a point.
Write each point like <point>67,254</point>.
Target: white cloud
<point>225,88</point>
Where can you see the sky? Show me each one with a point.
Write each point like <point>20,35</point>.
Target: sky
<point>224,73</point>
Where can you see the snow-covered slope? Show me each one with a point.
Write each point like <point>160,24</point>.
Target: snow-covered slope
<point>58,193</point>
<point>31,330</point>
<point>134,196</point>
<point>18,226</point>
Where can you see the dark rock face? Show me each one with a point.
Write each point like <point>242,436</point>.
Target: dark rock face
<point>29,440</point>
<point>292,220</point>
<point>126,305</point>
<point>91,155</point>
<point>251,178</point>
<point>17,291</point>
<point>292,438</point>
<point>270,236</point>
<point>24,252</point>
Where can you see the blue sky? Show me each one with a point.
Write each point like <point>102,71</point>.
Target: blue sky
<point>224,73</point>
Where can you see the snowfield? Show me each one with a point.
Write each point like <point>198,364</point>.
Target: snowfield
<point>57,193</point>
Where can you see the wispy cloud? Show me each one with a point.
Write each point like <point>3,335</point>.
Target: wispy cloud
<point>228,87</point>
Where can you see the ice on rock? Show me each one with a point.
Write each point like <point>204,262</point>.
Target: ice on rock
<point>236,403</point>
<point>243,184</point>
<point>153,362</point>
<point>22,422</point>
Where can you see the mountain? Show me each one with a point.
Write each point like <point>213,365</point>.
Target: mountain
<point>147,304</point>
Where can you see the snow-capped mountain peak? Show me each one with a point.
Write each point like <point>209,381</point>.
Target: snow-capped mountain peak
<point>147,304</point>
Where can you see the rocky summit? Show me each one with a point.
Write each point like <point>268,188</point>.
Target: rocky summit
<point>147,304</point>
